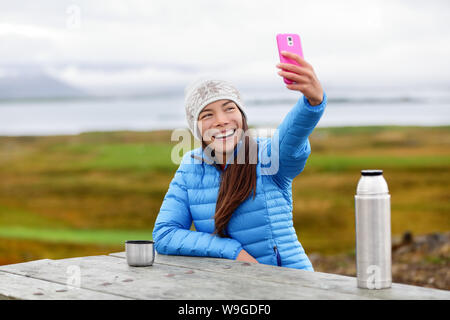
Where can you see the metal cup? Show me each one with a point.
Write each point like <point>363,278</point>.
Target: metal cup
<point>140,253</point>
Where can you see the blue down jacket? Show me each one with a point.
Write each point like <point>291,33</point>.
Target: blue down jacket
<point>262,226</point>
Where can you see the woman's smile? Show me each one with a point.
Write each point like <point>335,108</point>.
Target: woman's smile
<point>225,136</point>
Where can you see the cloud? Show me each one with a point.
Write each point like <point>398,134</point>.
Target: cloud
<point>346,42</point>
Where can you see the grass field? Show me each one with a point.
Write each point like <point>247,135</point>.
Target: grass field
<point>64,196</point>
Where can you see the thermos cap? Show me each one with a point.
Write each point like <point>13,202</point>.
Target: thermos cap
<point>371,172</point>
<point>372,182</point>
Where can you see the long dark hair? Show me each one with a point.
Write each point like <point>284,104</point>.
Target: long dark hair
<point>237,181</point>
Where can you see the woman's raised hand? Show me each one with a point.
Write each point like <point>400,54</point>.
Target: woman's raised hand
<point>303,76</point>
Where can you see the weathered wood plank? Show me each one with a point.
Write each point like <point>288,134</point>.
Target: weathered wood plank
<point>14,286</point>
<point>183,277</point>
<point>307,279</point>
<point>112,275</point>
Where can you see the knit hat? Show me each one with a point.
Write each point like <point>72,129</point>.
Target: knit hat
<point>203,92</point>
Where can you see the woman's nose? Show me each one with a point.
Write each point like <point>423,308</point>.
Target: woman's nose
<point>221,118</point>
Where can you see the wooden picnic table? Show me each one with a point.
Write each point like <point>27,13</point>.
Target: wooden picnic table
<point>186,278</point>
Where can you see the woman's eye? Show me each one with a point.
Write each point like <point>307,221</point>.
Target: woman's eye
<point>210,114</point>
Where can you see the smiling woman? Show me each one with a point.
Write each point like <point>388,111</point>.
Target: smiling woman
<point>240,209</point>
<point>221,138</point>
<point>221,123</point>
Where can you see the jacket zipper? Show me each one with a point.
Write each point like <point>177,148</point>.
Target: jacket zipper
<point>278,255</point>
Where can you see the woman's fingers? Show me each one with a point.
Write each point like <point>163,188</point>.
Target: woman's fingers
<point>296,87</point>
<point>296,57</point>
<point>295,69</point>
<point>303,77</point>
<point>294,77</point>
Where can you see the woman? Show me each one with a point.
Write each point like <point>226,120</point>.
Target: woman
<point>241,208</point>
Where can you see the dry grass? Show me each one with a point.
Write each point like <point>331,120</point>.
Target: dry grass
<point>117,181</point>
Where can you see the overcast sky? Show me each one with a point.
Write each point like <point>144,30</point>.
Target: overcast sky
<point>347,42</point>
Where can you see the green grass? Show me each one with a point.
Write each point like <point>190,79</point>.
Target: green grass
<point>27,225</point>
<point>139,157</point>
<point>76,236</point>
<point>339,163</point>
<point>108,157</point>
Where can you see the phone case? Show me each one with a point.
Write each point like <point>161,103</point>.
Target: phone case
<point>289,42</point>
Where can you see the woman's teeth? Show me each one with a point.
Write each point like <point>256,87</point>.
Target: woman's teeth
<point>226,135</point>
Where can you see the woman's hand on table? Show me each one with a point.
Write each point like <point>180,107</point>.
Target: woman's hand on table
<point>246,257</point>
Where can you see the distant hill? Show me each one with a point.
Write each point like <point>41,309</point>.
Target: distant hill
<point>35,85</point>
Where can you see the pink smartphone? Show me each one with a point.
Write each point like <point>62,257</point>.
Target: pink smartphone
<point>289,42</point>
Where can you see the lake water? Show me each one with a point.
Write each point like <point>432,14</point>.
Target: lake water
<point>346,107</point>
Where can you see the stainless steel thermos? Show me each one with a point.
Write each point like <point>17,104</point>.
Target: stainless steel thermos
<point>373,231</point>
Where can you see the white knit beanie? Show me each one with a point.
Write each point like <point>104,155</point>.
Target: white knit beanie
<point>203,92</point>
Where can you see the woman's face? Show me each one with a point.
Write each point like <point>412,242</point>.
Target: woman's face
<point>220,124</point>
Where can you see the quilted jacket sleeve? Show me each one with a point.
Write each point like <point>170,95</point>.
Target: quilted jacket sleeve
<point>171,232</point>
<point>290,145</point>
